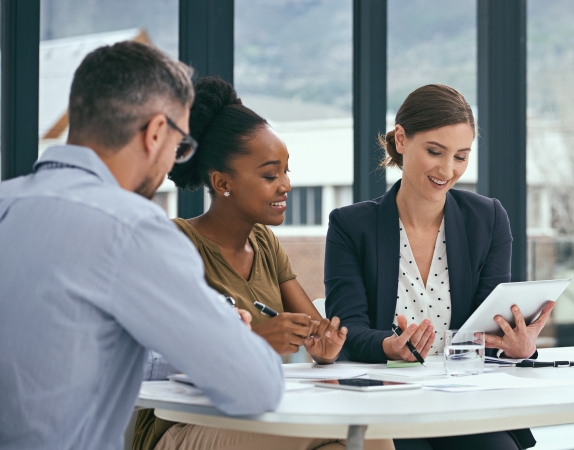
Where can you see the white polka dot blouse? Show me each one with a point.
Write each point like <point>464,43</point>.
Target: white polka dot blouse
<point>417,302</point>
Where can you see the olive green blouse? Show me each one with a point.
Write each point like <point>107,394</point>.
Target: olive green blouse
<point>270,269</point>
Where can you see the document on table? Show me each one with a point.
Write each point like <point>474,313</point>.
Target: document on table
<point>171,391</point>
<point>312,371</point>
<point>177,392</point>
<point>491,381</point>
<point>433,370</point>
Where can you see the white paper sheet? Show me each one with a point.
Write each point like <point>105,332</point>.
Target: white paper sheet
<point>177,392</point>
<point>310,371</point>
<point>491,381</point>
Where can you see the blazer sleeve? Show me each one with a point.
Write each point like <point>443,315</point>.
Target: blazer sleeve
<point>496,267</point>
<point>346,295</point>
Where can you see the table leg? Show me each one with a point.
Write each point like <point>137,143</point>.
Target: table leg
<point>356,437</point>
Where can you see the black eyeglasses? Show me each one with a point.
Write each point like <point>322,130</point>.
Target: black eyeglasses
<point>186,148</point>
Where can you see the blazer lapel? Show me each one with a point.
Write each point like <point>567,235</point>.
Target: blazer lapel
<point>460,275</point>
<point>388,251</point>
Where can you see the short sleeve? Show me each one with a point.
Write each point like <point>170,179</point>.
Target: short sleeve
<point>284,270</point>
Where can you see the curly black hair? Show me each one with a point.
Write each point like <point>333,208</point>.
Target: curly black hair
<point>222,125</point>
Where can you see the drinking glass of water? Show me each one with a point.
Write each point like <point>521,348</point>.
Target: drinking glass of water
<point>463,352</point>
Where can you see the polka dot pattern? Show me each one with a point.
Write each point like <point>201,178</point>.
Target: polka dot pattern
<point>432,301</point>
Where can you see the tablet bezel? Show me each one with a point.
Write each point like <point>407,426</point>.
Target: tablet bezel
<point>529,296</point>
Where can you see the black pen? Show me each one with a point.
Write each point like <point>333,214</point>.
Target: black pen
<point>410,345</point>
<point>231,301</point>
<point>265,309</point>
<point>535,364</point>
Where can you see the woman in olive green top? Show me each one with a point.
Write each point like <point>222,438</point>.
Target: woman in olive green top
<point>244,165</point>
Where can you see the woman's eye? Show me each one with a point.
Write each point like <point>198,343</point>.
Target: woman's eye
<point>287,171</point>
<point>432,152</point>
<point>271,178</point>
<point>460,158</point>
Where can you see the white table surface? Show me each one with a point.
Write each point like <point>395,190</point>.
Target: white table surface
<point>330,413</point>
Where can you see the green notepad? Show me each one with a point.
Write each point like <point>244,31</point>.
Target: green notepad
<point>401,363</point>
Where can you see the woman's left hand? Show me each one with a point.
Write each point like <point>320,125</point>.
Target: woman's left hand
<point>520,341</point>
<point>326,341</point>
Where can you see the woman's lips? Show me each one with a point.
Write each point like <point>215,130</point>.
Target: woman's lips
<point>279,206</point>
<point>437,184</point>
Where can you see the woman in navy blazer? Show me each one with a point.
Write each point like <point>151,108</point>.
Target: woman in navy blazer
<point>430,143</point>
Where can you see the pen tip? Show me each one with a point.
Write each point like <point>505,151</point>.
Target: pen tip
<point>424,364</point>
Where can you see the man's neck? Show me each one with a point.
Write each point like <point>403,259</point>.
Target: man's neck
<point>117,162</point>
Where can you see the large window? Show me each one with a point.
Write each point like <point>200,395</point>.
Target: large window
<point>70,29</point>
<point>428,43</point>
<point>293,65</point>
<point>550,154</point>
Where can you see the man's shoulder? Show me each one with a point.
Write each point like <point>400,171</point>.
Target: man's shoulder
<point>79,196</point>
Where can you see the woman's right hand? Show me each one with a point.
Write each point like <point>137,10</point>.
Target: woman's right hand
<point>421,336</point>
<point>285,332</point>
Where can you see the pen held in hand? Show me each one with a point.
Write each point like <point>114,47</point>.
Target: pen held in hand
<point>265,309</point>
<point>269,312</point>
<point>410,345</point>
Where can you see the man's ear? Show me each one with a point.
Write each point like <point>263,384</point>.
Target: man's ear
<point>220,183</point>
<point>155,135</point>
<point>400,137</point>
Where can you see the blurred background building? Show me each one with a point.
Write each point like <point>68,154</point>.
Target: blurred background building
<point>293,64</point>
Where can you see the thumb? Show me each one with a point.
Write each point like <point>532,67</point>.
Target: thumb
<point>402,322</point>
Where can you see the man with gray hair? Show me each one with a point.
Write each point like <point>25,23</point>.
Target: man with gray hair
<point>92,274</point>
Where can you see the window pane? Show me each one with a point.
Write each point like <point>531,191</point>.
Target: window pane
<point>293,65</point>
<point>70,29</point>
<point>432,43</point>
<point>550,155</point>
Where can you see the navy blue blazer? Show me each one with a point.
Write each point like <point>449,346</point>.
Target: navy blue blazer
<point>362,267</point>
<point>362,264</point>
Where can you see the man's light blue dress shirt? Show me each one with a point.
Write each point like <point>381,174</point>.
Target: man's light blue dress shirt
<point>90,276</point>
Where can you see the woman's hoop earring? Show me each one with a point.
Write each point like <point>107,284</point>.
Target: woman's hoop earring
<point>227,194</point>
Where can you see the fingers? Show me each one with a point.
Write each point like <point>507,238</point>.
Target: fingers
<point>544,315</point>
<point>402,322</point>
<point>407,335</point>
<point>493,341</point>
<point>504,325</point>
<point>518,319</point>
<point>420,331</point>
<point>300,319</point>
<point>245,316</point>
<point>333,326</point>
<point>322,329</point>
<point>428,345</point>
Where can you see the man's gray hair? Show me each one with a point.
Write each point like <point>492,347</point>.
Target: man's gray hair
<point>117,88</point>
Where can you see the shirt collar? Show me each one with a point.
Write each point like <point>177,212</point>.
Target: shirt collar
<point>82,157</point>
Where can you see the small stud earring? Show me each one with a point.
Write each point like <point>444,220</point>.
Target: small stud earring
<point>227,194</point>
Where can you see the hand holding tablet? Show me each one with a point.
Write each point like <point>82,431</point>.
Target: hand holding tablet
<point>519,341</point>
<point>514,314</point>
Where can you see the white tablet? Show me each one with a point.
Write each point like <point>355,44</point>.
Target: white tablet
<point>530,296</point>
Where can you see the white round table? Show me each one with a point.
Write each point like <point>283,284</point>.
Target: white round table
<point>338,414</point>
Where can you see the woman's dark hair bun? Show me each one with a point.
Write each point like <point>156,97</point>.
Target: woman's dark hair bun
<point>211,96</point>
<point>221,124</point>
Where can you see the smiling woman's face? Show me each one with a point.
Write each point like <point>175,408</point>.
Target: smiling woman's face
<point>259,183</point>
<point>433,161</point>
